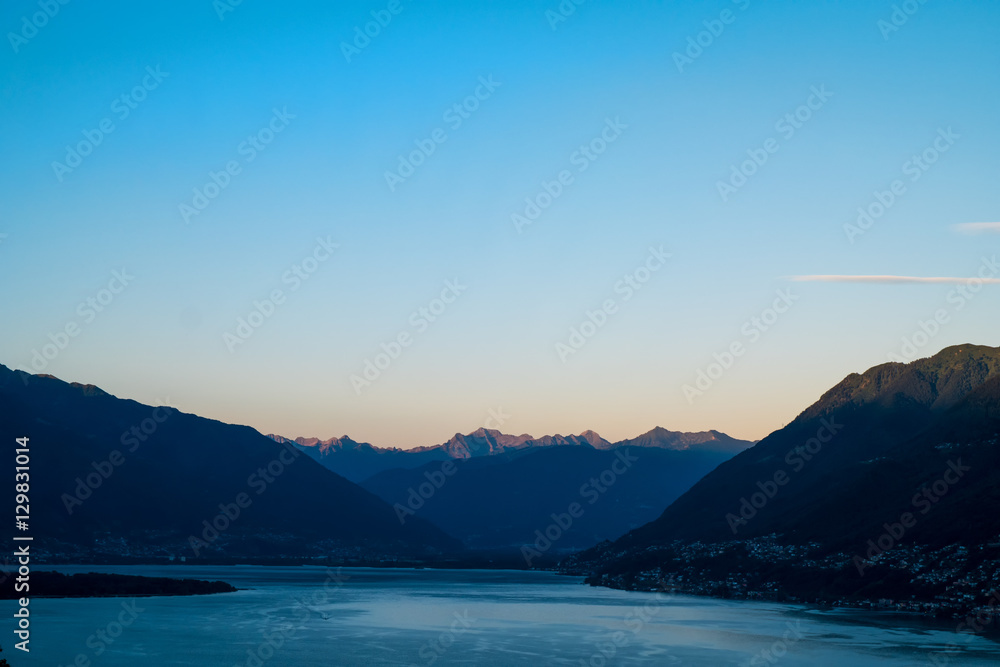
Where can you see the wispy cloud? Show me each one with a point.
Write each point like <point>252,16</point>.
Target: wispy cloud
<point>977,227</point>
<point>890,279</point>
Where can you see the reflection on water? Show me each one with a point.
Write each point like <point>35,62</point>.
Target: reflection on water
<point>319,616</point>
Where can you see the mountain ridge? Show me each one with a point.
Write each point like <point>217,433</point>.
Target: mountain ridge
<point>111,478</point>
<point>881,489</point>
<point>360,461</point>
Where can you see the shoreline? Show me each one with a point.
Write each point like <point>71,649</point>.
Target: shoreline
<point>942,618</point>
<point>990,629</point>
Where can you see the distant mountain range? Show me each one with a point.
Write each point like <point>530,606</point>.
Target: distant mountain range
<point>886,487</point>
<point>506,487</point>
<point>358,461</point>
<point>112,478</point>
<point>498,502</point>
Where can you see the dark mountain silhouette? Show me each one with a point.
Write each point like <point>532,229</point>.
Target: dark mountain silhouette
<point>115,478</point>
<point>495,502</point>
<point>814,509</point>
<point>359,461</point>
<point>675,440</point>
<point>874,423</point>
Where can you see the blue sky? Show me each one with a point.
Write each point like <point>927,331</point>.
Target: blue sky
<point>607,70</point>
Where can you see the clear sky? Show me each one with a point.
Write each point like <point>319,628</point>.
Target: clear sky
<point>613,120</point>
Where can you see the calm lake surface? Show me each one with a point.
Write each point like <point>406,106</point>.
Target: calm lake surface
<point>447,617</point>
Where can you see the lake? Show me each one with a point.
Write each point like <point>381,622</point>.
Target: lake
<point>315,616</point>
